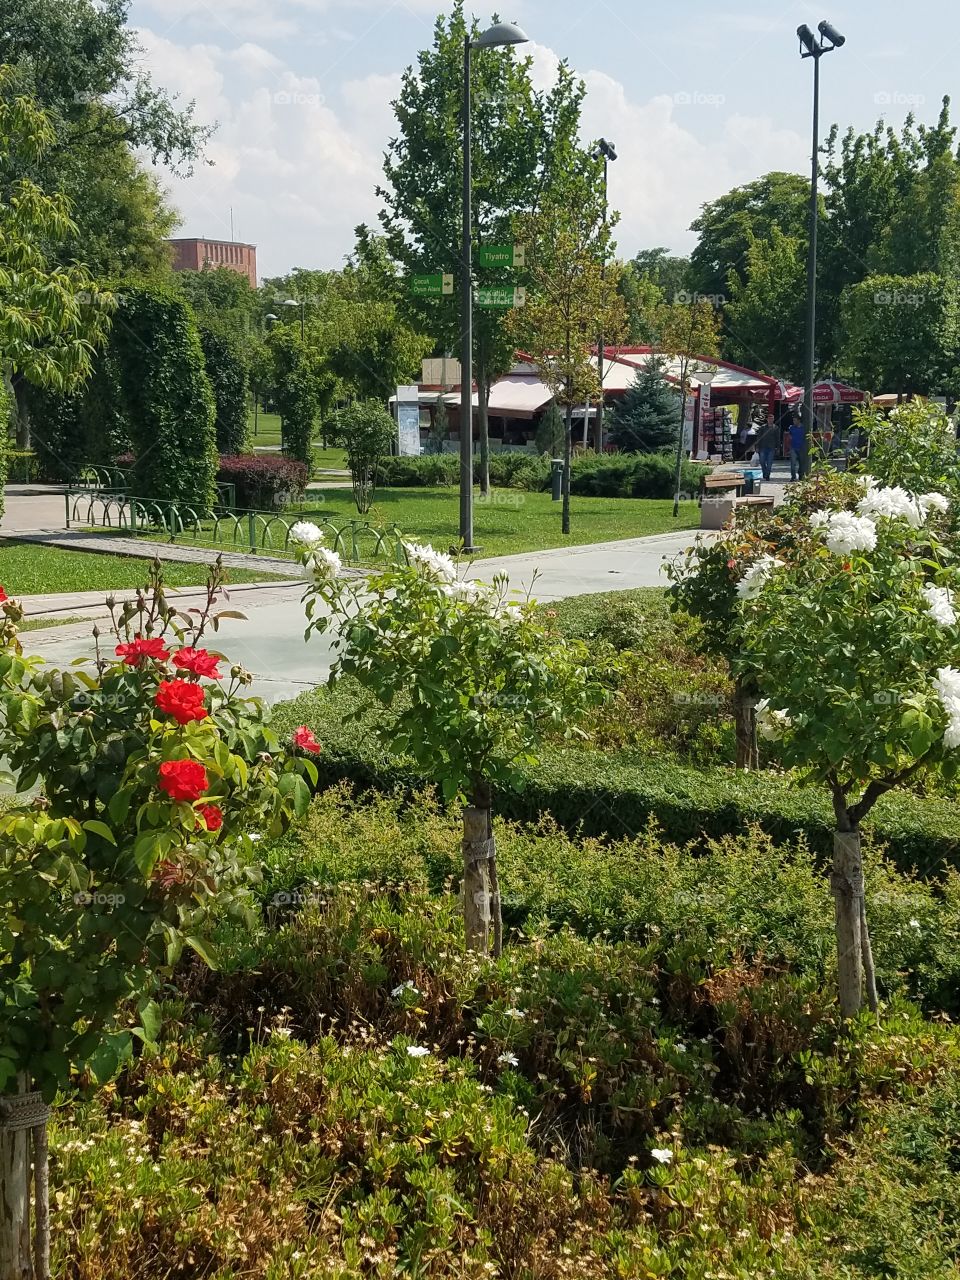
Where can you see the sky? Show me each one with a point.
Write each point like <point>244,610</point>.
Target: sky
<point>696,95</point>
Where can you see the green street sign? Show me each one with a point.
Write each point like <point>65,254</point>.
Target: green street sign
<point>502,255</point>
<point>438,286</point>
<point>501,296</point>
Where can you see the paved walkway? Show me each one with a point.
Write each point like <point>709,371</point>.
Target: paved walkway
<point>32,506</point>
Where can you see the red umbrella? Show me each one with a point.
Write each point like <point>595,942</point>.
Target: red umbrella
<point>828,392</point>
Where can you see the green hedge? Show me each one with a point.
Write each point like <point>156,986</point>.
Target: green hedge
<point>616,795</point>
<point>627,475</point>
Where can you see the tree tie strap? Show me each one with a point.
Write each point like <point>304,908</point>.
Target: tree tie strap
<point>22,1111</point>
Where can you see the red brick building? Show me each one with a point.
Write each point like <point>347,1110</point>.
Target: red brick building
<point>194,255</point>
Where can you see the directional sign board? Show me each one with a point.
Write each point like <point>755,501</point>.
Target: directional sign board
<point>502,255</point>
<point>438,286</point>
<point>501,296</point>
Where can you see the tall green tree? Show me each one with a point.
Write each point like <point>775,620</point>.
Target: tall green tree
<point>52,317</point>
<point>524,141</point>
<point>764,317</point>
<point>81,62</point>
<point>728,226</point>
<point>646,418</point>
<point>903,333</point>
<point>572,297</point>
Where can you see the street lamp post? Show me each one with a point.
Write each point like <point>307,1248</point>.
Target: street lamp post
<point>811,47</point>
<point>609,152</point>
<point>500,34</point>
<point>292,302</point>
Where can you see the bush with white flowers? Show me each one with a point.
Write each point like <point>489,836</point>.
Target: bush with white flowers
<point>854,643</point>
<point>473,681</point>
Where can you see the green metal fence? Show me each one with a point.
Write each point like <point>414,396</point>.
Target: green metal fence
<point>255,532</point>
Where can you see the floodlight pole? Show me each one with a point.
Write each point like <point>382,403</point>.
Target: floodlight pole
<point>466,310</point>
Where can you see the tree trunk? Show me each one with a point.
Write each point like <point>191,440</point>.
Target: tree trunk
<point>846,881</point>
<point>567,461</point>
<point>483,419</point>
<point>22,408</point>
<point>745,721</point>
<point>16,1260</point>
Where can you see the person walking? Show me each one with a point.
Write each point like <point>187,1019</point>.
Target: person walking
<point>767,446</point>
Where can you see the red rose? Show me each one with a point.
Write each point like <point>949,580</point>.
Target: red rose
<point>183,779</point>
<point>3,596</point>
<point>198,661</point>
<point>134,653</point>
<point>304,739</point>
<point>181,699</point>
<point>212,816</point>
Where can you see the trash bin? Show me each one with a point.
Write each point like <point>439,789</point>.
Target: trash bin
<point>556,478</point>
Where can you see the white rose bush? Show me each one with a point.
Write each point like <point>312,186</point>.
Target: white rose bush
<point>853,641</point>
<point>472,679</point>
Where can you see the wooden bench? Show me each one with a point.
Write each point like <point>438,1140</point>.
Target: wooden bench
<point>716,512</point>
<point>722,482</point>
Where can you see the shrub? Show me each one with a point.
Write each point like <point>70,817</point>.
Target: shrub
<point>518,471</point>
<point>23,466</point>
<point>428,471</point>
<point>228,378</point>
<point>617,795</point>
<point>69,431</point>
<point>264,482</point>
<point>166,397</point>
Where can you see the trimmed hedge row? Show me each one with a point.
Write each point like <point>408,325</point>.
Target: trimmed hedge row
<point>627,475</point>
<point>617,795</point>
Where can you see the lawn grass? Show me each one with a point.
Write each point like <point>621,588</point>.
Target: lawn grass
<point>44,624</point>
<point>31,569</point>
<point>514,521</point>
<point>268,434</point>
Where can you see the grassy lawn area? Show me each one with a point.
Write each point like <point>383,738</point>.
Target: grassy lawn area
<point>514,520</point>
<point>268,433</point>
<point>29,569</point>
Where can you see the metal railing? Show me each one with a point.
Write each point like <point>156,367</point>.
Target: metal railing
<point>252,532</point>
<point>98,477</point>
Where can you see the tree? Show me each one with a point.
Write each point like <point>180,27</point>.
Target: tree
<point>550,431</point>
<point>298,391</point>
<point>903,332</point>
<point>153,769</point>
<point>166,397</point>
<point>83,65</point>
<point>224,301</point>
<point>645,419</point>
<point>227,373</point>
<point>643,299</point>
<point>51,318</point>
<point>474,683</point>
<point>875,702</point>
<point>366,430</point>
<point>728,226</point>
<point>670,274</point>
<point>571,298</point>
<point>524,141</point>
<point>765,317</point>
<point>686,330</point>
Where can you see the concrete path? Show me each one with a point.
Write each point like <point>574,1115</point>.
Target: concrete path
<point>33,506</point>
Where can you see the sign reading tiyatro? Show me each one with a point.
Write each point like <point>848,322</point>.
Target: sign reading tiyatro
<point>502,255</point>
<point>501,296</point>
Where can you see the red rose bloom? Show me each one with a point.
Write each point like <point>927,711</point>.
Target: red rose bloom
<point>3,596</point>
<point>181,699</point>
<point>304,739</point>
<point>134,653</point>
<point>198,661</point>
<point>212,816</point>
<point>183,779</point>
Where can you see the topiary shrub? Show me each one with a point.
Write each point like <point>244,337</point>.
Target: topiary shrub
<point>424,472</point>
<point>228,378</point>
<point>71,430</point>
<point>166,397</point>
<point>264,482</point>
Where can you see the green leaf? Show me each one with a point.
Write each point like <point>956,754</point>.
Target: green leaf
<point>204,950</point>
<point>97,828</point>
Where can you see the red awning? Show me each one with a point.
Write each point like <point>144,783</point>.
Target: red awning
<point>828,392</point>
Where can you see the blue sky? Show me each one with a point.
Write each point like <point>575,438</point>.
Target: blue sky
<point>697,97</point>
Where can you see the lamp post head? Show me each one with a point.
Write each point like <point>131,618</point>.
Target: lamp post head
<point>290,302</point>
<point>501,33</point>
<point>808,42</point>
<point>605,149</point>
<point>828,32</point>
